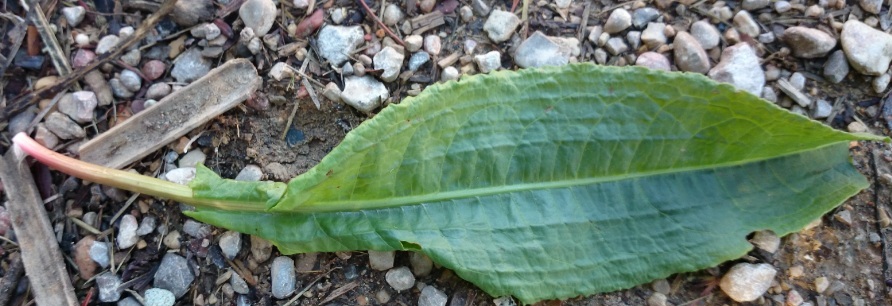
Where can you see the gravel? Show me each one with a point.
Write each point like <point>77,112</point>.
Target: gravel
<point>261,249</point>
<point>106,44</point>
<point>653,60</point>
<point>433,44</point>
<point>157,91</point>
<point>196,229</point>
<point>63,126</point>
<point>417,59</point>
<point>74,14</point>
<point>740,67</point>
<point>491,61</point>
<point>174,275</point>
<point>745,24</point>
<point>230,244</point>
<point>79,105</point>
<point>250,173</point>
<point>381,261</point>
<point>421,264</point>
<point>146,226</point>
<point>619,20</point>
<point>869,50</point>
<point>431,296</point>
<point>390,62</point>
<point>836,68</point>
<point>400,278</point>
<point>159,297</point>
<point>99,254</point>
<point>130,80</point>
<point>336,42</point>
<point>539,50</point>
<point>746,282</point>
<point>258,15</point>
<point>642,16</point>
<point>766,241</point>
<point>364,93</point>
<point>500,25</point>
<point>190,66</point>
<point>706,34</point>
<point>109,287</point>
<point>808,43</point>
<point>191,159</point>
<point>393,14</point>
<point>689,54</point>
<point>282,277</point>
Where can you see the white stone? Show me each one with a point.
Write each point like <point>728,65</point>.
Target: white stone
<point>393,14</point>
<point>500,25</point>
<point>79,105</point>
<point>390,62</point>
<point>336,42</point>
<point>706,34</point>
<point>432,44</point>
<point>364,93</point>
<point>106,44</point>
<point>490,61</point>
<point>449,74</point>
<point>180,176</point>
<point>74,14</point>
<point>258,15</point>
<point>869,50</point>
<point>689,55</point>
<point>619,20</point>
<point>746,282</point>
<point>381,260</point>
<point>766,240</point>
<point>653,60</point>
<point>414,42</point>
<point>744,23</point>
<point>539,50</point>
<point>400,278</point>
<point>654,35</point>
<point>280,71</point>
<point>808,42</point>
<point>740,67</point>
<point>431,296</point>
<point>127,232</point>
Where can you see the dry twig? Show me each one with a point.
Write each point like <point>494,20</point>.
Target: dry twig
<point>381,24</point>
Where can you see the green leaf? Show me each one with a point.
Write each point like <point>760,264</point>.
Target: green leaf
<point>559,182</point>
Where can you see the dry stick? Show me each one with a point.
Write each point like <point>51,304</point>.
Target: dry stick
<point>381,24</point>
<point>303,67</point>
<point>22,102</point>
<point>585,12</point>
<point>50,42</point>
<point>16,36</point>
<point>11,280</point>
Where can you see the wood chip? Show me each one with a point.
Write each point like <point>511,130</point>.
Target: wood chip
<point>340,291</point>
<point>793,93</point>
<point>449,60</point>
<point>41,255</point>
<point>177,114</point>
<point>427,22</point>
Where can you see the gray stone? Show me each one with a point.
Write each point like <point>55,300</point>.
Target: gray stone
<point>600,56</point>
<point>159,297</point>
<point>661,286</point>
<point>258,15</point>
<point>109,287</point>
<point>656,299</point>
<point>283,277</point>
<point>127,232</point>
<point>157,91</point>
<point>634,39</point>
<point>539,50</point>
<point>871,6</point>
<point>146,226</point>
<point>106,44</point>
<point>20,122</point>
<point>364,93</point>
<point>400,278</point>
<point>74,14</point>
<point>190,66</point>
<point>196,229</point>
<point>822,109</point>
<point>431,296</point>
<point>131,80</point>
<point>869,50</point>
<point>481,7</point>
<point>616,45</point>
<point>836,68</point>
<point>449,74</point>
<point>215,51</point>
<point>706,34</point>
<point>745,24</point>
<point>417,59</point>
<point>501,25</point>
<point>766,240</point>
<point>653,60</point>
<point>174,274</point>
<point>230,244</point>
<point>336,42</point>
<point>63,127</point>
<point>99,254</point>
<point>746,282</point>
<point>132,57</point>
<point>190,13</point>
<point>250,173</point>
<point>595,33</point>
<point>333,93</point>
<point>118,89</point>
<point>689,54</point>
<point>797,80</point>
<point>129,301</point>
<point>44,137</point>
<point>808,43</point>
<point>390,61</point>
<point>393,14</point>
<point>466,13</point>
<point>191,159</point>
<point>381,260</point>
<point>768,94</point>
<point>740,67</point>
<point>751,5</point>
<point>238,284</point>
<point>490,61</point>
<point>642,16</point>
<point>79,105</point>
<point>619,20</point>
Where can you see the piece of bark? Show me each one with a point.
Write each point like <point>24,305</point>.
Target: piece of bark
<point>100,87</point>
<point>41,255</point>
<point>178,113</point>
<point>11,279</point>
<point>427,22</point>
<point>793,93</point>
<point>50,43</point>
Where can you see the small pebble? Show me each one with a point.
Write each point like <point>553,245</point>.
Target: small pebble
<point>821,284</point>
<point>172,240</point>
<point>74,14</point>
<point>119,89</point>
<point>501,25</point>
<point>259,15</point>
<point>417,59</point>
<point>619,20</point>
<point>109,287</point>
<point>381,260</point>
<point>238,284</point>
<point>191,159</point>
<point>880,83</point>
<point>766,240</point>
<point>153,69</point>
<point>83,257</point>
<point>157,91</point>
<point>844,216</point>
<point>79,105</point>
<point>230,244</point>
<point>656,299</point>
<point>196,229</point>
<point>449,74</point>
<point>400,278</point>
<point>390,61</point>
<point>174,274</point>
<point>127,232</point>
<point>746,282</point>
<point>131,80</point>
<point>283,277</point>
<point>421,264</point>
<point>393,14</point>
<point>63,126</point>
<point>106,44</point>
<point>856,127</point>
<point>490,61</point>
<point>431,296</point>
<point>432,44</point>
<point>159,297</point>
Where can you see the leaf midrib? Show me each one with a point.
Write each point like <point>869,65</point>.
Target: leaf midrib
<point>354,205</point>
